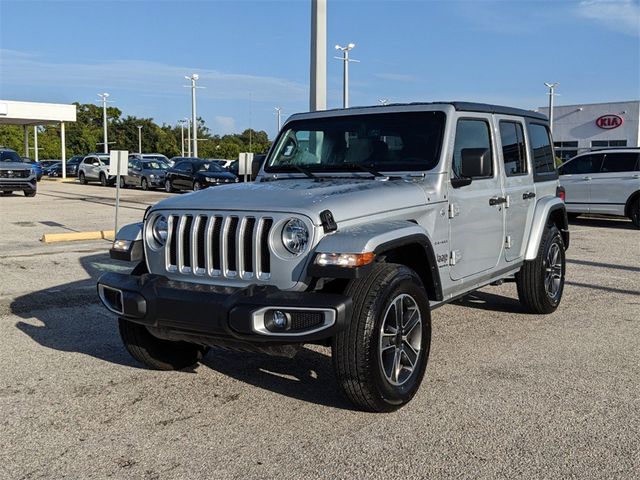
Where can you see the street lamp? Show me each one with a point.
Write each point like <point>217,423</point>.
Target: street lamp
<point>139,138</point>
<point>193,79</point>
<point>104,97</point>
<point>345,72</point>
<point>552,87</point>
<point>182,122</point>
<point>188,122</point>
<point>278,113</point>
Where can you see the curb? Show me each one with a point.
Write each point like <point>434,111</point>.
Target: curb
<point>60,179</point>
<point>77,236</point>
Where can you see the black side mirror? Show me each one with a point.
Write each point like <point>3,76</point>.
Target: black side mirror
<point>476,162</point>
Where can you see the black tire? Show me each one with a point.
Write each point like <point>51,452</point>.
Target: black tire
<point>197,186</point>
<point>144,184</point>
<point>82,178</point>
<point>537,292</point>
<point>30,193</point>
<point>156,353</point>
<point>123,184</point>
<point>167,186</point>
<point>103,180</point>
<point>634,213</point>
<point>572,216</point>
<point>358,360</point>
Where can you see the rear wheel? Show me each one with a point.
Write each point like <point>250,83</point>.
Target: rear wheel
<point>103,180</point>
<point>634,213</point>
<point>540,281</point>
<point>197,186</point>
<point>156,353</point>
<point>82,178</point>
<point>30,193</point>
<point>167,186</point>
<point>144,184</point>
<point>381,357</point>
<point>123,184</point>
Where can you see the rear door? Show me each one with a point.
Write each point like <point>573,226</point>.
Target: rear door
<point>518,185</point>
<point>576,176</point>
<point>617,180</point>
<point>91,169</point>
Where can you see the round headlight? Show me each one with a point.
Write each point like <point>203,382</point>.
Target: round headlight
<point>295,236</point>
<point>160,229</point>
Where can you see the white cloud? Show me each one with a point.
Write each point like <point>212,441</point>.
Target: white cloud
<point>619,15</point>
<point>148,78</point>
<point>224,125</point>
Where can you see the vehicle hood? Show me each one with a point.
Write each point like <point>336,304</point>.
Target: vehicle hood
<point>15,166</point>
<point>346,198</point>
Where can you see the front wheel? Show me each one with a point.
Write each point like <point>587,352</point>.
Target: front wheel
<point>144,184</point>
<point>103,180</point>
<point>167,186</point>
<point>30,193</point>
<point>156,353</point>
<point>540,281</point>
<point>634,214</point>
<point>380,358</point>
<point>82,178</point>
<point>197,186</point>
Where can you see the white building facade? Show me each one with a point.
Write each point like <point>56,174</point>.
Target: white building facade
<point>592,126</point>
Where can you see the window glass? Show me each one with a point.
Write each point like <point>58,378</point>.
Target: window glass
<point>513,148</point>
<point>608,143</point>
<point>582,165</point>
<point>9,156</point>
<point>183,166</point>
<point>470,134</point>
<point>620,162</point>
<point>543,161</point>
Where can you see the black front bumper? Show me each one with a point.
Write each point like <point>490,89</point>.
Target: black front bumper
<point>214,312</point>
<point>13,184</point>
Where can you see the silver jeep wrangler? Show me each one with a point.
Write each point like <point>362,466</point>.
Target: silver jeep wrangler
<point>360,223</point>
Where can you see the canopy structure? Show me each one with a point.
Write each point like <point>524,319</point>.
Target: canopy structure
<point>36,114</point>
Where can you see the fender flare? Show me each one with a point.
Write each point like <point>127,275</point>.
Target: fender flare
<point>545,208</point>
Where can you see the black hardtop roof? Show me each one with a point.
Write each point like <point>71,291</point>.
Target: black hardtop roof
<point>464,107</point>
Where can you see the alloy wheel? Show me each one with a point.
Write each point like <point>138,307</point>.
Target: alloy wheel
<point>553,271</point>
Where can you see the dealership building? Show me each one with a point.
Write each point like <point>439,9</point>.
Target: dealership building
<point>590,126</point>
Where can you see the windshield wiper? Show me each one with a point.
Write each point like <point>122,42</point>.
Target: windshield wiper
<point>364,168</point>
<point>298,168</point>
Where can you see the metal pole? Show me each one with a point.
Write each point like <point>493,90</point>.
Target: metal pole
<point>26,140</point>
<point>115,231</point>
<point>194,119</point>
<point>278,112</point>
<point>104,97</point>
<point>35,143</point>
<point>345,80</point>
<point>182,136</point>
<point>552,87</point>
<point>318,70</point>
<point>189,137</point>
<point>63,150</point>
<point>139,138</point>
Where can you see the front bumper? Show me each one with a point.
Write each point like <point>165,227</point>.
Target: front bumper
<point>218,315</point>
<point>12,184</point>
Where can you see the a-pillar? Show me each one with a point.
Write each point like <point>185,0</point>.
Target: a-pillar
<point>63,150</point>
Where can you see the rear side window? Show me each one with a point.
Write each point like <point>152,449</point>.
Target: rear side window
<point>620,162</point>
<point>513,148</point>
<point>543,159</point>
<point>470,134</point>
<point>582,165</point>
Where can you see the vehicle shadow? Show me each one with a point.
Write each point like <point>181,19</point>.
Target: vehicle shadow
<point>70,318</point>
<point>602,222</point>
<point>490,301</point>
<point>308,376</point>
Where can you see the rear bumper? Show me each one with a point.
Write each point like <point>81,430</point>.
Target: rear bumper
<point>223,314</point>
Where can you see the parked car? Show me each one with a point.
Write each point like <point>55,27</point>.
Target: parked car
<point>256,165</point>
<point>349,245</point>
<point>196,174</point>
<point>73,164</point>
<point>144,173</point>
<point>95,168</point>
<point>16,174</point>
<point>54,170</point>
<point>604,182</point>
<point>36,166</point>
<point>47,163</point>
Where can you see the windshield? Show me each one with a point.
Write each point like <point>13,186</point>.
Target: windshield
<point>388,142</point>
<point>154,165</point>
<point>210,167</point>
<point>9,156</point>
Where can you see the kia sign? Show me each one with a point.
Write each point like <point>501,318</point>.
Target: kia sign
<point>609,121</point>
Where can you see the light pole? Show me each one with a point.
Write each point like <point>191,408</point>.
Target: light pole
<point>139,138</point>
<point>181,122</point>
<point>345,72</point>
<point>552,87</point>
<point>188,136</point>
<point>278,117</point>
<point>104,97</point>
<point>193,79</point>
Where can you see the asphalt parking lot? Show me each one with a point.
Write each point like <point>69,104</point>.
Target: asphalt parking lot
<point>506,394</point>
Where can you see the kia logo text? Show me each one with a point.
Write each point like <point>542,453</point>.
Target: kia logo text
<point>609,121</point>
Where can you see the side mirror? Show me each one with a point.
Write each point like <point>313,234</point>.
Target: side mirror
<point>476,162</point>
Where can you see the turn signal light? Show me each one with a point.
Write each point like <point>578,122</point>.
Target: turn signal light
<point>348,260</point>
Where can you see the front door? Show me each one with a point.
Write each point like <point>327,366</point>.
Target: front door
<point>476,211</point>
<point>518,186</point>
<point>576,177</point>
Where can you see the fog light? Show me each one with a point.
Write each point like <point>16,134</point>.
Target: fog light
<point>277,321</point>
<point>121,245</point>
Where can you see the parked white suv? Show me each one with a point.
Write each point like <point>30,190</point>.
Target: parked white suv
<point>95,168</point>
<point>605,181</point>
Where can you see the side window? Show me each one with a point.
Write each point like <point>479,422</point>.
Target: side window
<point>582,165</point>
<point>182,166</point>
<point>470,134</point>
<point>513,148</point>
<point>543,161</point>
<point>620,162</point>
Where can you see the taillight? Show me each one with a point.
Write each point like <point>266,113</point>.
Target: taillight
<point>560,193</point>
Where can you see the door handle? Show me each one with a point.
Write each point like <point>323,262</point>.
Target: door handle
<point>586,178</point>
<point>528,195</point>
<point>497,200</point>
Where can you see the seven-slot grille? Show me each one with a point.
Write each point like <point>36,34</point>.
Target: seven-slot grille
<point>231,246</point>
<point>15,173</point>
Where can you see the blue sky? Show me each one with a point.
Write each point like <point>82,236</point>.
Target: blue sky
<point>254,55</point>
